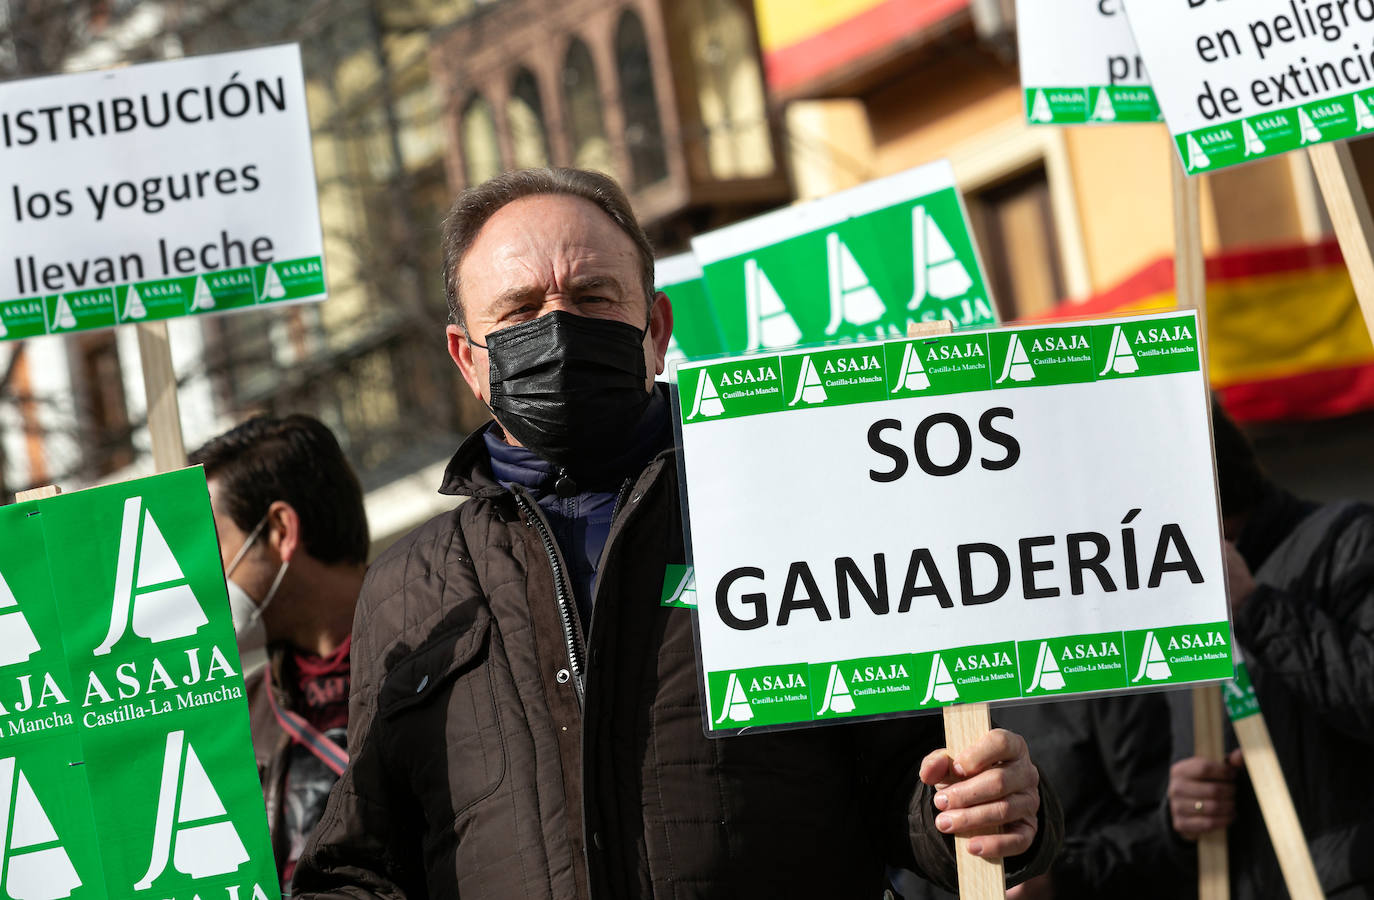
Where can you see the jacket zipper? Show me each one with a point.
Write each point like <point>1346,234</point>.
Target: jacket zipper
<point>561,593</point>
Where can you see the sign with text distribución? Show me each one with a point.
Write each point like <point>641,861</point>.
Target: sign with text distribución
<point>1243,81</point>
<point>157,191</point>
<point>126,766</point>
<point>883,528</point>
<point>862,263</point>
<point>1080,65</point>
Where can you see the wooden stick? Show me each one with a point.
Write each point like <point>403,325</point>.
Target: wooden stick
<point>1350,216</point>
<point>980,878</point>
<point>160,385</point>
<point>1213,872</point>
<point>1276,803</point>
<point>38,493</point>
<point>1190,286</point>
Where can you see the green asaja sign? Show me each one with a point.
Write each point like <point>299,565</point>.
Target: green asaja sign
<point>884,528</point>
<point>126,767</point>
<point>862,263</point>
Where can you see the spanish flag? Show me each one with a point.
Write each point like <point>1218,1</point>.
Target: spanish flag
<point>1286,339</point>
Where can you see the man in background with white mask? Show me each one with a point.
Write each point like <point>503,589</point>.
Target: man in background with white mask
<point>294,540</point>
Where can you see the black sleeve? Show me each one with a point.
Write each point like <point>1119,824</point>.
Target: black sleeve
<point>1322,652</point>
<point>1120,859</point>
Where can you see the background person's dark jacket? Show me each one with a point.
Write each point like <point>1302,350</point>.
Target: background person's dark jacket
<point>476,774</point>
<point>1308,638</point>
<point>1108,759</point>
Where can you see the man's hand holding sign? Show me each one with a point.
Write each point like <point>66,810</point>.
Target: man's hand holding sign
<point>991,785</point>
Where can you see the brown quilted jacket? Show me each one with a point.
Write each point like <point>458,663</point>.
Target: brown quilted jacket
<point>483,767</point>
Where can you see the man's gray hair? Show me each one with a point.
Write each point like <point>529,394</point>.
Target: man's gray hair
<point>476,205</point>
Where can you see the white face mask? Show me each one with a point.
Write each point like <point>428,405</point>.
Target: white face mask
<point>249,632</point>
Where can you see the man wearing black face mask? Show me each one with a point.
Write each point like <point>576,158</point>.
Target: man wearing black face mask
<point>525,718</point>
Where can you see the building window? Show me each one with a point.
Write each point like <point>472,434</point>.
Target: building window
<point>582,105</point>
<point>481,150</point>
<point>109,445</point>
<point>525,116</point>
<point>732,109</point>
<point>643,127</point>
<point>1014,225</point>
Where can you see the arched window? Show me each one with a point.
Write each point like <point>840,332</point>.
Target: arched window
<point>481,150</point>
<point>729,86</point>
<point>643,128</point>
<point>525,115</point>
<point>582,106</point>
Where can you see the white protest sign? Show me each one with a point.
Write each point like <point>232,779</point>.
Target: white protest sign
<point>889,527</point>
<point>1242,81</point>
<point>155,191</point>
<point>1079,64</point>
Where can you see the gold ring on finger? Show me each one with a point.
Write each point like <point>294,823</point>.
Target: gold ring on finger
<point>1197,806</point>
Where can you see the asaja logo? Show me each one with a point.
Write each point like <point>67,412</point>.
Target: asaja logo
<point>1197,640</point>
<point>736,707</point>
<point>911,376</point>
<point>767,321</point>
<point>202,297</point>
<point>809,387</point>
<point>937,271</point>
<point>1311,134</point>
<point>1040,109</point>
<point>837,700</point>
<point>940,686</point>
<point>1120,358</point>
<point>193,831</point>
<point>133,304</point>
<point>1197,158</point>
<point>272,288</point>
<point>853,299</point>
<point>62,317</point>
<point>1253,145</point>
<point>1153,666</point>
<point>1017,366</point>
<point>33,862</point>
<point>707,403</point>
<point>1047,676</point>
<point>1103,111</point>
<point>17,642</point>
<point>151,590</point>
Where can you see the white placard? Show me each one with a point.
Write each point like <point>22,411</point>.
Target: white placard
<point>980,516</point>
<point>157,190</point>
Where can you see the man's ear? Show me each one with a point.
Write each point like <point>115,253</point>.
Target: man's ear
<point>284,530</point>
<point>461,353</point>
<point>660,328</point>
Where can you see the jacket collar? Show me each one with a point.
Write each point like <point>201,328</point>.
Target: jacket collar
<point>469,471</point>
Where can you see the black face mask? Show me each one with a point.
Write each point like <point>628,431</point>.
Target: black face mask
<point>569,387</point>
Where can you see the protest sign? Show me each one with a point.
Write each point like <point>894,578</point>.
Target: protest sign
<point>1004,515</point>
<point>695,332</point>
<point>1239,82</point>
<point>126,767</point>
<point>1080,65</point>
<point>860,263</point>
<point>156,191</point>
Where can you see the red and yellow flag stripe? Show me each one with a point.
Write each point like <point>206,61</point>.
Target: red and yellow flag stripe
<point>1286,339</point>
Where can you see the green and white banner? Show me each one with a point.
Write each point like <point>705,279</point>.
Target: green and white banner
<point>1080,65</point>
<point>126,766</point>
<point>157,191</point>
<point>862,263</point>
<point>695,331</point>
<point>882,528</point>
<point>1239,82</point>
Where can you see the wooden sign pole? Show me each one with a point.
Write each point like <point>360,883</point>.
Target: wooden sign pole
<point>979,878</point>
<point>1261,763</point>
<point>1348,207</point>
<point>160,385</point>
<point>1190,285</point>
